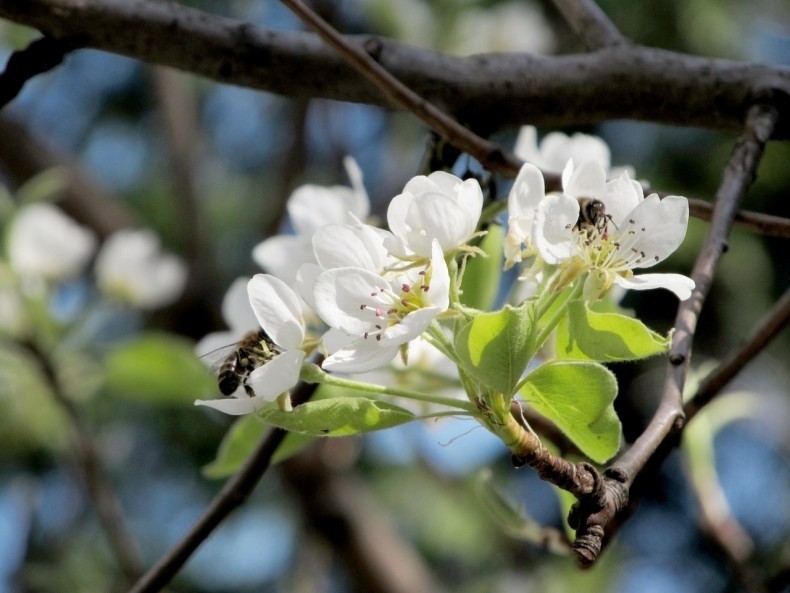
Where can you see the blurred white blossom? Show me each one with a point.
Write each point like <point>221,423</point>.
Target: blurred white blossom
<point>45,243</point>
<point>132,267</point>
<point>508,27</point>
<point>309,208</point>
<point>556,149</point>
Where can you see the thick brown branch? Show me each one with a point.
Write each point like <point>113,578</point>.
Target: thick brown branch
<point>769,327</point>
<point>232,495</point>
<point>485,91</point>
<point>765,224</point>
<point>590,23</point>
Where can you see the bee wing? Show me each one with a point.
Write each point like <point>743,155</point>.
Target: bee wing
<point>214,359</point>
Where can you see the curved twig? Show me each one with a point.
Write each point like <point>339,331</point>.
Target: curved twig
<point>98,488</point>
<point>766,330</point>
<point>668,420</point>
<point>232,495</point>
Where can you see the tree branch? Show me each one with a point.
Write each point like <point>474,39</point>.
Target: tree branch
<point>767,329</point>
<point>668,420</point>
<point>232,495</point>
<point>487,92</point>
<point>590,23</point>
<point>104,498</point>
<point>40,56</point>
<point>491,156</point>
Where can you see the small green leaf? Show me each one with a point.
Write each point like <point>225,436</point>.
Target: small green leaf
<point>495,347</point>
<point>482,275</point>
<point>158,368</point>
<point>577,396</point>
<point>337,417</point>
<point>605,337</point>
<point>242,439</point>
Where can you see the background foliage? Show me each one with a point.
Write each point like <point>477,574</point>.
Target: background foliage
<point>246,152</point>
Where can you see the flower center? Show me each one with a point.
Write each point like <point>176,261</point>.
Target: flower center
<point>394,306</point>
<point>618,251</point>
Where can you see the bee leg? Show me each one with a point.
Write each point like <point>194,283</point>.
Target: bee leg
<point>249,390</point>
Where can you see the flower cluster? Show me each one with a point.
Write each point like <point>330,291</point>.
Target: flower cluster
<point>362,294</point>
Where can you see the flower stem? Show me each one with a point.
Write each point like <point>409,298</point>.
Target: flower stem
<point>314,374</point>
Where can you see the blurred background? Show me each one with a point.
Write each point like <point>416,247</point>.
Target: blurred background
<point>209,168</point>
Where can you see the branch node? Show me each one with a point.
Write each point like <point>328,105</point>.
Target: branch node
<point>373,47</point>
<point>676,359</point>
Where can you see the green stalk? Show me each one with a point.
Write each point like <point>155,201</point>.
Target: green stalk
<point>314,374</point>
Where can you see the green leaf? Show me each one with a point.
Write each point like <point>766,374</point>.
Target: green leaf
<point>158,368</point>
<point>495,348</point>
<point>577,396</point>
<point>337,417</point>
<point>607,337</point>
<point>240,442</point>
<point>482,275</point>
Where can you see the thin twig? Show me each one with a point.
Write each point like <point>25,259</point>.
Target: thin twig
<point>590,23</point>
<point>98,488</point>
<point>766,330</point>
<point>668,420</point>
<point>232,495</point>
<point>490,155</point>
<point>765,224</point>
<point>738,176</point>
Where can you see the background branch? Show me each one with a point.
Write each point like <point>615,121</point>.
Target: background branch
<point>232,495</point>
<point>766,330</point>
<point>98,488</point>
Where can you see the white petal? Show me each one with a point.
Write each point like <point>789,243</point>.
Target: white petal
<point>312,206</point>
<point>360,357</point>
<point>278,375</point>
<point>346,297</point>
<point>621,197</point>
<point>360,207</point>
<point>235,406</point>
<point>344,245</point>
<point>278,310</point>
<point>526,146</point>
<point>282,255</point>
<point>658,228</point>
<point>439,288</point>
<point>588,180</point>
<point>236,309</point>
<point>553,228</point>
<point>410,327</point>
<point>398,210</point>
<point>677,283</point>
<point>305,283</point>
<point>437,216</point>
<point>527,192</point>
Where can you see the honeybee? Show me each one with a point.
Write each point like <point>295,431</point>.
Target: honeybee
<point>254,350</point>
<point>592,214</point>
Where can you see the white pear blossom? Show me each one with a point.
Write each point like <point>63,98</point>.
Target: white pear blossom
<point>636,232</point>
<point>380,315</point>
<point>440,207</point>
<point>132,266</point>
<point>45,243</point>
<point>278,310</point>
<point>309,208</point>
<point>556,149</point>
